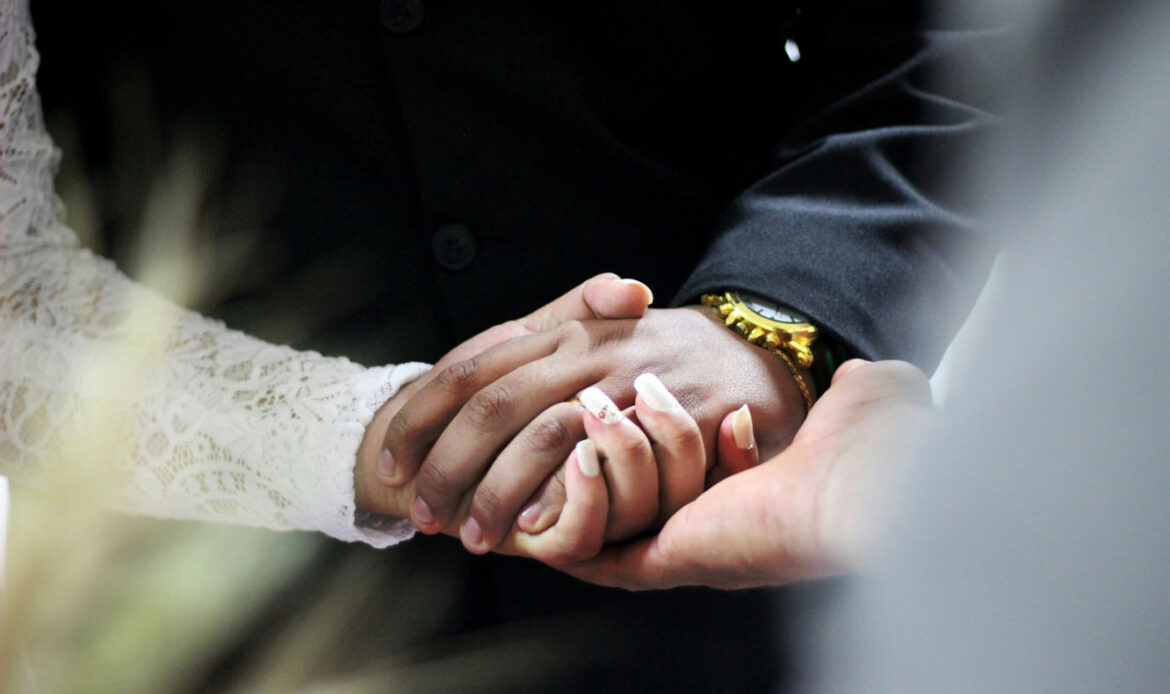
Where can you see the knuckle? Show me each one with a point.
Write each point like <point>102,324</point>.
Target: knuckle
<point>400,432</point>
<point>668,543</point>
<point>549,434</point>
<point>633,448</point>
<point>573,550</point>
<point>615,333</point>
<point>488,408</point>
<point>644,517</point>
<point>684,437</point>
<point>553,494</point>
<point>488,506</point>
<point>571,331</point>
<point>896,379</point>
<point>911,375</point>
<point>633,518</point>
<point>435,484</point>
<point>459,376</point>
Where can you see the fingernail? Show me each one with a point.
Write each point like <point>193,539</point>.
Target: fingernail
<point>422,512</point>
<point>649,293</point>
<point>530,515</point>
<point>600,405</point>
<point>654,393</point>
<point>471,533</point>
<point>741,428</point>
<point>385,463</point>
<point>587,458</point>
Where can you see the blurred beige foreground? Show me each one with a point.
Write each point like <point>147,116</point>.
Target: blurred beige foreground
<point>101,602</point>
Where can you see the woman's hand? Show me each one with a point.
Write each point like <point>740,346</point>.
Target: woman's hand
<point>804,513</point>
<point>648,461</point>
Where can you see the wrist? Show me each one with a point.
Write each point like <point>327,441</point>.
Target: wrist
<point>775,328</point>
<point>753,375</point>
<point>371,494</point>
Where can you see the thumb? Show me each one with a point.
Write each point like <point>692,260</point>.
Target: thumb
<point>603,296</point>
<point>735,447</point>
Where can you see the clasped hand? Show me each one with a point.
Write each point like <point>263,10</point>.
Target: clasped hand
<point>486,445</point>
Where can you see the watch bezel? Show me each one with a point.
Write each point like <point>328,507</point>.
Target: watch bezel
<point>744,301</point>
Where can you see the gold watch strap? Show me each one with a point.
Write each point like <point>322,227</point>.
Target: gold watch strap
<point>792,342</point>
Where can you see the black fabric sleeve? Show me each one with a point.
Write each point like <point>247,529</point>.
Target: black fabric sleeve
<point>857,227</point>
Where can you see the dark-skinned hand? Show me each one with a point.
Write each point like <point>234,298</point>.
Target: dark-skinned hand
<point>480,438</point>
<point>577,536</point>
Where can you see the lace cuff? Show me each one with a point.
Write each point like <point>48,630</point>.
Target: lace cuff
<point>346,526</point>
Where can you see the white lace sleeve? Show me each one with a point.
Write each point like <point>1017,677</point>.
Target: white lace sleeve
<point>207,423</point>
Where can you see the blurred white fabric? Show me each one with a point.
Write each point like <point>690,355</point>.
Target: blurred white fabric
<point>1030,548</point>
<point>963,354</point>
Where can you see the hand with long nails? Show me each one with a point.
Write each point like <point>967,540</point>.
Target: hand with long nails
<point>655,457</point>
<point>808,512</point>
<point>653,460</point>
<point>484,438</point>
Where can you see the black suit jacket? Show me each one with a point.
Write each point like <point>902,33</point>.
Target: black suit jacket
<point>671,141</point>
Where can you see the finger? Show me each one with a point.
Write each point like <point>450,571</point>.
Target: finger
<point>490,419</point>
<point>422,419</point>
<point>671,558</point>
<point>882,379</point>
<point>733,536</point>
<point>630,471</point>
<point>624,298</point>
<point>543,509</point>
<point>846,368</point>
<point>517,472</point>
<point>578,533</point>
<point>891,379</point>
<point>603,296</point>
<point>736,446</point>
<point>677,444</point>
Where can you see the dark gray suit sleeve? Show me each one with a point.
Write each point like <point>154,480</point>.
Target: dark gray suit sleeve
<point>856,226</point>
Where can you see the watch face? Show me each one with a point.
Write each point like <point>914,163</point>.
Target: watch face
<point>771,310</point>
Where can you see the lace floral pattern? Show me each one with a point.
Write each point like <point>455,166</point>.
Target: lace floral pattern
<point>210,424</point>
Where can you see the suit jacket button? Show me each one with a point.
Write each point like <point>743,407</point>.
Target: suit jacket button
<point>453,246</point>
<point>401,16</point>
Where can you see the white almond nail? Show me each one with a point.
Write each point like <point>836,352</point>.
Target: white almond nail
<point>741,428</point>
<point>587,458</point>
<point>600,405</point>
<point>654,393</point>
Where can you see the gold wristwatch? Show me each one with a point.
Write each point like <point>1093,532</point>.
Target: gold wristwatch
<point>778,330</point>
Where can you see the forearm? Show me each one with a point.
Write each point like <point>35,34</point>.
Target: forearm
<point>183,417</point>
<point>857,226</point>
<point>106,385</point>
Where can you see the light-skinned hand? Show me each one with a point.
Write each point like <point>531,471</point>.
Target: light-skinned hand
<point>805,513</point>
